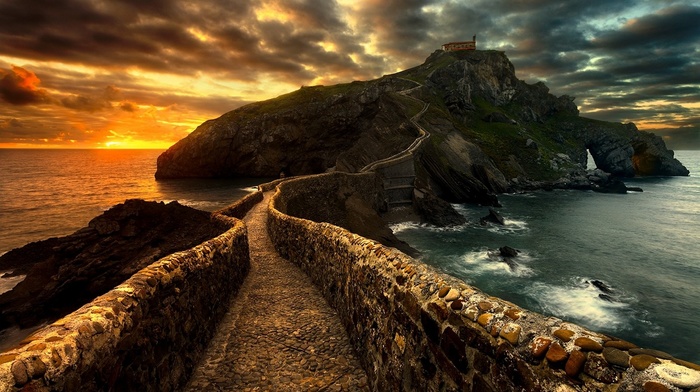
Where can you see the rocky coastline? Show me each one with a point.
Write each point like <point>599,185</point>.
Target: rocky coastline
<point>64,273</point>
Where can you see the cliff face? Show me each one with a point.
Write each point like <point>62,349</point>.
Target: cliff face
<point>490,132</point>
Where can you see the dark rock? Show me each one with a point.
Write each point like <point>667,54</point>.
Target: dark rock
<point>459,171</point>
<point>492,217</point>
<point>507,251</point>
<point>634,189</point>
<point>601,286</point>
<point>434,210</point>
<point>613,185</point>
<point>362,219</point>
<point>65,273</point>
<point>606,298</point>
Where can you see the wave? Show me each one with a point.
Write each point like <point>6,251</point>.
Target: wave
<point>488,261</point>
<point>581,300</point>
<point>7,284</point>
<point>407,226</point>
<point>511,226</point>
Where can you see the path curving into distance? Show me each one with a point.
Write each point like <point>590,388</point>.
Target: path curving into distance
<point>279,333</point>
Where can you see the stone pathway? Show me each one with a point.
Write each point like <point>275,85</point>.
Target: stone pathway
<point>279,334</point>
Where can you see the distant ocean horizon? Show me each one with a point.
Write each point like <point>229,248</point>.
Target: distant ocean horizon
<point>644,247</point>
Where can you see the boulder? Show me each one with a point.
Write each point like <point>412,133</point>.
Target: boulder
<point>613,185</point>
<point>492,217</point>
<point>507,251</point>
<point>434,210</point>
<point>601,286</point>
<point>64,273</point>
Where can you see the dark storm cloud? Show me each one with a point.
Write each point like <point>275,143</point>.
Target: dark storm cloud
<point>162,36</point>
<point>19,86</point>
<point>614,56</point>
<point>674,26</point>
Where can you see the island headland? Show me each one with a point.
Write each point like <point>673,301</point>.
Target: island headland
<point>489,133</point>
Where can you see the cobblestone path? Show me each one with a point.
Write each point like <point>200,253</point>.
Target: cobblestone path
<point>279,334</point>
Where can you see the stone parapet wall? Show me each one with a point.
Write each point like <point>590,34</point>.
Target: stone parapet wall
<point>241,207</point>
<point>146,334</point>
<point>417,329</point>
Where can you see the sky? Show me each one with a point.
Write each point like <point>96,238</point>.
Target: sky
<point>143,74</point>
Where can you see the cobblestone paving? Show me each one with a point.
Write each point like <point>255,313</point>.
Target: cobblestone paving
<point>279,334</point>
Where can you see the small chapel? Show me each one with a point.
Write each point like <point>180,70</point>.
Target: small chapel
<point>463,45</point>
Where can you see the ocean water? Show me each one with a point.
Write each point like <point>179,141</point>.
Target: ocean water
<point>51,193</point>
<point>644,247</point>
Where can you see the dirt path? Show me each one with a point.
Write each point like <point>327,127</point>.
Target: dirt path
<point>279,334</point>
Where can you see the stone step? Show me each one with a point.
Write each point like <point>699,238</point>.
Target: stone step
<point>391,188</point>
<point>399,202</point>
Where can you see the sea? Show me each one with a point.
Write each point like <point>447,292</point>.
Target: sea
<point>626,265</point>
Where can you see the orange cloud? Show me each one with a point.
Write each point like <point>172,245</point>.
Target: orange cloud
<point>21,87</point>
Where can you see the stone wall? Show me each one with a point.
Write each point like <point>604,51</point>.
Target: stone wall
<point>147,334</point>
<point>241,207</point>
<point>417,329</point>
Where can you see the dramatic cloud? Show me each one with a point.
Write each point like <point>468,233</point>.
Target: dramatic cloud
<point>20,87</point>
<point>152,71</point>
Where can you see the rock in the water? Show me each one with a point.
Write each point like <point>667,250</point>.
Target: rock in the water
<point>606,297</point>
<point>362,219</point>
<point>601,286</point>
<point>493,217</point>
<point>507,251</point>
<point>613,185</point>
<point>434,210</point>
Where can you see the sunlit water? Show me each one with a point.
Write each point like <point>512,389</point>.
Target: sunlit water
<point>49,193</point>
<point>644,246</point>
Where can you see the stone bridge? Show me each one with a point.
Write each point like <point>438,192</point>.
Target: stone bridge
<point>336,312</point>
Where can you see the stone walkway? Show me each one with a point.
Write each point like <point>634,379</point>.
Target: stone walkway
<point>279,334</point>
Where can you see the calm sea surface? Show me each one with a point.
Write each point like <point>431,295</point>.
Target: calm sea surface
<point>644,246</point>
<point>49,193</point>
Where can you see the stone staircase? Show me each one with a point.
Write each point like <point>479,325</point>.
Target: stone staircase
<point>398,171</point>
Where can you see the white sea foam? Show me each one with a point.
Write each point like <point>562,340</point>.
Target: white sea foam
<point>511,226</point>
<point>405,226</point>
<point>8,283</point>
<point>579,300</point>
<point>485,261</point>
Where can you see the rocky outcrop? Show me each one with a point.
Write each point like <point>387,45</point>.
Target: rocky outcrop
<point>631,152</point>
<point>305,132</point>
<point>64,273</point>
<point>435,211</point>
<point>490,132</point>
